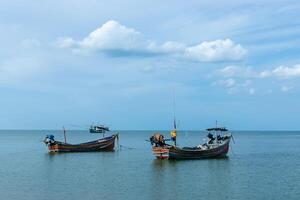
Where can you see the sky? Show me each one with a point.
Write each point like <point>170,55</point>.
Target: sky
<point>121,63</point>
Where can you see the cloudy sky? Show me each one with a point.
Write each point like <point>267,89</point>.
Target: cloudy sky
<point>74,63</point>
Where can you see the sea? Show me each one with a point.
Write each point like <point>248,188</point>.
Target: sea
<point>260,165</point>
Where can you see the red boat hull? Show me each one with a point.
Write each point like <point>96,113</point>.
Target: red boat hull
<point>161,152</point>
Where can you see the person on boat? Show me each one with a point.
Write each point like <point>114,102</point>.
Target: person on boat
<point>49,140</point>
<point>211,138</point>
<point>173,134</point>
<point>219,137</point>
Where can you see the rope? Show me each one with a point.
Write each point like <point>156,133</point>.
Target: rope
<point>232,150</point>
<point>125,147</point>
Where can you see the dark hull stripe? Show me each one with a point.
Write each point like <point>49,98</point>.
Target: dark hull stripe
<point>97,145</point>
<point>178,153</point>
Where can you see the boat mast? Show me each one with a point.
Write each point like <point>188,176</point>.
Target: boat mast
<point>174,112</point>
<point>216,127</point>
<point>174,131</point>
<point>65,134</point>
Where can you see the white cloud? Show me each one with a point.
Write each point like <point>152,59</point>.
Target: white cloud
<point>218,50</point>
<point>66,42</point>
<point>225,83</point>
<point>229,82</point>
<point>232,86</point>
<point>113,37</point>
<point>167,47</point>
<point>283,72</point>
<point>276,75</point>
<point>234,71</point>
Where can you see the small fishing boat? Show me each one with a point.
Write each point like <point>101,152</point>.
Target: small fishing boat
<point>217,146</point>
<point>99,129</point>
<point>103,144</point>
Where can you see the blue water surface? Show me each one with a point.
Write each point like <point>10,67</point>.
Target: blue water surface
<point>261,165</point>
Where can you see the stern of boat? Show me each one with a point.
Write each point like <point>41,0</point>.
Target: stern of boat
<point>160,152</point>
<point>53,148</point>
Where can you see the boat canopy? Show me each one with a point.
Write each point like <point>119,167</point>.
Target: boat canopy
<point>217,129</point>
<point>100,127</point>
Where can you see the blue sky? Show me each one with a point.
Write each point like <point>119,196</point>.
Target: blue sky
<point>74,63</point>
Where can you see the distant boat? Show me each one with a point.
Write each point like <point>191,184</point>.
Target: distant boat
<point>103,144</point>
<point>216,147</point>
<point>99,129</point>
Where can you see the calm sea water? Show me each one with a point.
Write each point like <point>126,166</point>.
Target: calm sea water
<point>261,165</point>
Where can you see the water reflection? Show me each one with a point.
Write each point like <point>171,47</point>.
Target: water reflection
<point>171,178</point>
<point>135,174</point>
<point>164,179</point>
<point>218,177</point>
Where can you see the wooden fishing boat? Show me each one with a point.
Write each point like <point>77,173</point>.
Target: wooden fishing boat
<point>103,144</point>
<point>215,147</point>
<point>215,151</point>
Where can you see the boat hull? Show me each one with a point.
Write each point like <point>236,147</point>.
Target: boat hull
<point>191,153</point>
<point>104,144</point>
<point>161,152</point>
<point>217,152</point>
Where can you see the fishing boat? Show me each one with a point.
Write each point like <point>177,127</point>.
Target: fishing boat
<point>217,146</point>
<point>103,144</point>
<point>98,129</point>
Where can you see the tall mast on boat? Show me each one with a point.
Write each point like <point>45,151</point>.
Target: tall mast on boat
<point>64,130</point>
<point>174,112</point>
<point>216,127</point>
<point>173,133</point>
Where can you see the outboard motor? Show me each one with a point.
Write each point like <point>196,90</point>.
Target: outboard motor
<point>49,140</point>
<point>157,139</point>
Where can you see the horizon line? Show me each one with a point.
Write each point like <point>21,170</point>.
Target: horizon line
<point>293,130</point>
